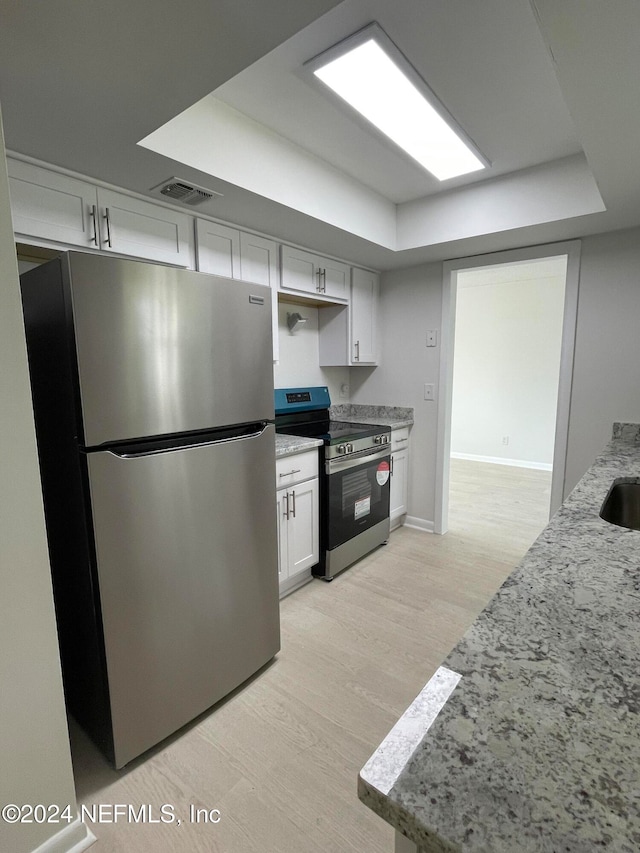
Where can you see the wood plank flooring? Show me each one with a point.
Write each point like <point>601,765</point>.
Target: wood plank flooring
<point>279,759</point>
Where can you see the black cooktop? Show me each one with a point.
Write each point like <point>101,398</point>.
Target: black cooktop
<point>330,432</point>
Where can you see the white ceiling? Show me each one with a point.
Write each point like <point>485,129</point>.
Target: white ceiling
<point>486,61</point>
<point>547,89</point>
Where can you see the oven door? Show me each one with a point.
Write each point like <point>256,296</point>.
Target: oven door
<point>356,495</point>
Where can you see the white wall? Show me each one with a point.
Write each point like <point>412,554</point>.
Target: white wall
<point>299,355</point>
<point>410,303</point>
<point>606,378</point>
<point>606,365</point>
<point>35,760</point>
<point>550,192</point>
<point>506,362</point>
<point>216,139</point>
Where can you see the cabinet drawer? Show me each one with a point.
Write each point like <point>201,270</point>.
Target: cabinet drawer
<point>399,438</point>
<point>296,468</point>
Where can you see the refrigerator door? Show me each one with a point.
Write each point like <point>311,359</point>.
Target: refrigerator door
<point>162,350</point>
<point>186,563</point>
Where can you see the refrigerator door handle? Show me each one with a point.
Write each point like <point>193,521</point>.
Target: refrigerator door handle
<point>149,448</point>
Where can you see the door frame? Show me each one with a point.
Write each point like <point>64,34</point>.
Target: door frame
<point>450,270</point>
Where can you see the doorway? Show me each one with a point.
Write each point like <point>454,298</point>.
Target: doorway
<point>499,314</point>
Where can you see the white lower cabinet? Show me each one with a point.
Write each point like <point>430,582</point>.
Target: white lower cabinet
<point>298,520</point>
<point>54,207</point>
<point>399,487</point>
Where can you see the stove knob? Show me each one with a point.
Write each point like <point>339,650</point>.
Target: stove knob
<point>341,449</point>
<point>378,439</point>
<point>349,448</point>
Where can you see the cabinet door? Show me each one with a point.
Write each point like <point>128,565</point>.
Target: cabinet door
<point>258,263</point>
<point>282,528</point>
<point>334,279</point>
<point>364,317</point>
<point>141,229</point>
<point>303,536</point>
<point>51,206</point>
<point>299,270</point>
<point>218,249</point>
<point>399,484</point>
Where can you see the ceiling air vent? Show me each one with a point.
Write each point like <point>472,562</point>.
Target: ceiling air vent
<point>184,192</point>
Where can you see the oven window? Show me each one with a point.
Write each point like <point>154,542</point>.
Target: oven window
<point>358,498</point>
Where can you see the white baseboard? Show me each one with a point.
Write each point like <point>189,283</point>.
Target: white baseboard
<point>74,838</point>
<point>497,460</point>
<point>419,524</point>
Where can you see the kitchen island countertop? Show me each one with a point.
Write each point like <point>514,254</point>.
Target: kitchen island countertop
<point>528,737</point>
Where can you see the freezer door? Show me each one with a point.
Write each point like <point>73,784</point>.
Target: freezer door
<point>163,350</point>
<point>186,564</point>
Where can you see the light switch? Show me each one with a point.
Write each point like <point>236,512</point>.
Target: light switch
<point>429,391</point>
<point>432,338</point>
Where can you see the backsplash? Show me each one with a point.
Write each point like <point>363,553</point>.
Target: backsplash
<point>299,355</point>
<point>358,410</point>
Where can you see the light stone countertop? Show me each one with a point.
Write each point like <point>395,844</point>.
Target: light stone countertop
<point>287,445</point>
<point>392,416</point>
<point>527,739</point>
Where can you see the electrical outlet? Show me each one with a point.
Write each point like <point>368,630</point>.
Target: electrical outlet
<point>429,391</point>
<point>505,439</point>
<point>344,390</point>
<point>432,338</point>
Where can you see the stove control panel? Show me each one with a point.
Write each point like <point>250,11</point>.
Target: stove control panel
<point>344,448</point>
<point>381,439</point>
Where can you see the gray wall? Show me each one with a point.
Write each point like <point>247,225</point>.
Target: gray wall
<point>606,379</point>
<point>606,383</point>
<point>410,303</point>
<point>35,760</point>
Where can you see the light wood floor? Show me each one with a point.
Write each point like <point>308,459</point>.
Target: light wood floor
<point>280,758</point>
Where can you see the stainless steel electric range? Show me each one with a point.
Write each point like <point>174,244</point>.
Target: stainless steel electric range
<point>354,476</point>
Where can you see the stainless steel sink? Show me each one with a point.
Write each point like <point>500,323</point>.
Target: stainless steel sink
<point>622,503</point>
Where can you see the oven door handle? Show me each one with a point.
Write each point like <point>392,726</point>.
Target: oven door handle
<point>332,466</point>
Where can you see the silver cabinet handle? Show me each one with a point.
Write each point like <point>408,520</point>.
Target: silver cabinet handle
<point>322,280</point>
<point>319,276</point>
<point>357,355</point>
<point>286,511</point>
<point>93,216</point>
<point>289,473</point>
<point>392,466</point>
<point>106,216</point>
<point>293,511</point>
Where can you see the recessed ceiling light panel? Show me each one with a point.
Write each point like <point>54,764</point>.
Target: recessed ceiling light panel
<point>373,77</point>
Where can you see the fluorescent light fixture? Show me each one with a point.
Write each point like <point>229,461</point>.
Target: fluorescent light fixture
<point>369,72</point>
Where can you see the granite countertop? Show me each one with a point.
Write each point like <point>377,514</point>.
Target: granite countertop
<point>287,445</point>
<point>527,739</point>
<point>392,416</point>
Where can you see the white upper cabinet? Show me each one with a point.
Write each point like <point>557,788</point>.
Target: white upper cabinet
<point>304,272</point>
<point>349,334</point>
<point>51,206</point>
<point>131,226</point>
<point>54,207</point>
<point>259,263</point>
<point>218,248</point>
<point>236,254</point>
<point>364,316</point>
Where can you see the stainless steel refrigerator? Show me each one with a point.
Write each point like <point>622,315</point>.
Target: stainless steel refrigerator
<point>153,398</point>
